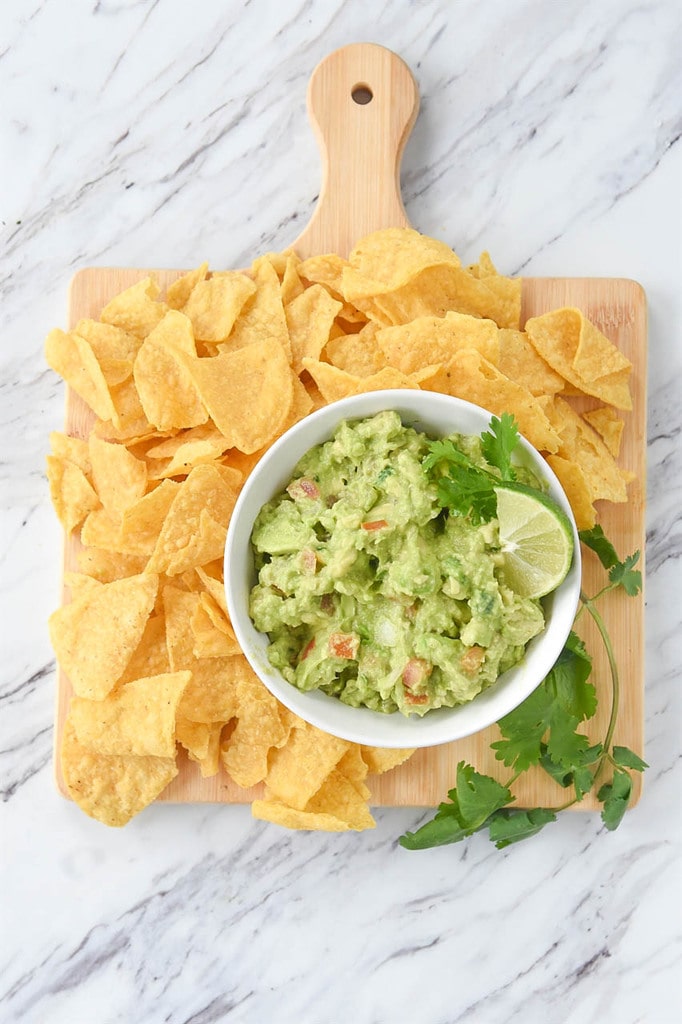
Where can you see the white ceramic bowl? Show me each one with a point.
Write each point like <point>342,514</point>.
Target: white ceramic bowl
<point>437,415</point>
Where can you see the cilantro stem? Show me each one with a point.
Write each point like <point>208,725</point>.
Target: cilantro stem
<point>613,666</point>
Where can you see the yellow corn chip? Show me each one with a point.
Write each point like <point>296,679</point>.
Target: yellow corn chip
<point>262,317</point>
<point>73,359</point>
<point>431,339</point>
<point>95,636</point>
<point>278,813</point>
<point>178,293</point>
<point>119,478</point>
<point>608,425</point>
<point>138,719</point>
<point>298,770</point>
<point>573,480</point>
<point>112,789</point>
<point>340,798</point>
<point>248,393</point>
<point>135,310</point>
<point>259,728</point>
<point>150,657</point>
<point>519,361</point>
<point>214,304</point>
<point>309,318</point>
<point>379,759</point>
<point>577,350</point>
<point>72,496</point>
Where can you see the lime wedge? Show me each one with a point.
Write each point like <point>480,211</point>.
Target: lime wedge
<point>536,540</point>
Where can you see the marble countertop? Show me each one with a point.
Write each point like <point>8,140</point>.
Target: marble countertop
<point>161,133</point>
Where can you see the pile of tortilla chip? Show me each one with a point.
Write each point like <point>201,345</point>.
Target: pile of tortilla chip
<point>187,391</point>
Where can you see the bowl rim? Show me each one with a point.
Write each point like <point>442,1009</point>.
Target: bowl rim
<point>362,725</point>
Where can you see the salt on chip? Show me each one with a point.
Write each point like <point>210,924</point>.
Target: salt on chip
<point>135,310</point>
<point>72,495</point>
<point>309,318</point>
<point>578,351</point>
<point>138,719</point>
<point>214,304</point>
<point>298,769</point>
<point>112,789</point>
<point>73,359</point>
<point>248,393</point>
<point>119,478</point>
<point>95,636</point>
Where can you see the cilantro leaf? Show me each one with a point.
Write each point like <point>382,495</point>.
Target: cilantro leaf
<point>597,540</point>
<point>467,492</point>
<point>624,575</point>
<point>478,796</point>
<point>523,730</point>
<point>508,827</point>
<point>471,804</point>
<point>440,831</point>
<point>578,774</point>
<point>499,443</point>
<point>444,451</point>
<point>627,758</point>
<point>615,796</point>
<point>565,746</point>
<point>567,680</point>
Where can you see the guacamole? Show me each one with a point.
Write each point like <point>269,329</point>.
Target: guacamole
<point>370,592</point>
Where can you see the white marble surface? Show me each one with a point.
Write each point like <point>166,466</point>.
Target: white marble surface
<point>161,132</point>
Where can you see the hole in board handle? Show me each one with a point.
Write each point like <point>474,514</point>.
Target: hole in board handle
<point>361,94</point>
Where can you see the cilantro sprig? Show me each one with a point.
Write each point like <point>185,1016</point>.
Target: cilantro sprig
<point>545,731</point>
<point>464,487</point>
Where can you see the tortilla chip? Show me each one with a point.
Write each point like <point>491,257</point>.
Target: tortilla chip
<point>135,310</point>
<point>214,304</point>
<point>380,760</point>
<point>72,495</point>
<point>326,270</point>
<point>608,424</point>
<point>432,339</point>
<point>138,719</point>
<point>195,526</point>
<point>474,379</point>
<point>581,444</point>
<point>248,393</point>
<point>150,657</point>
<point>573,480</point>
<point>278,813</point>
<point>95,636</point>
<point>309,319</point>
<point>357,354</point>
<point>119,478</point>
<point>519,361</point>
<point>341,799</point>
<point>335,384</point>
<point>582,355</point>
<point>262,318</point>
<point>259,728</point>
<point>107,566</point>
<point>73,359</point>
<point>142,522</point>
<point>178,293</point>
<point>112,789</point>
<point>298,770</point>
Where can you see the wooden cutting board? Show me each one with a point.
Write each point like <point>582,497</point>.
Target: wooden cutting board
<point>362,102</point>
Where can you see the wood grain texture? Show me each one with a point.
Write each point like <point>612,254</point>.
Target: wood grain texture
<point>361,146</point>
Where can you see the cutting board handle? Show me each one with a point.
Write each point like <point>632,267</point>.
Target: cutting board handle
<point>362,103</point>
